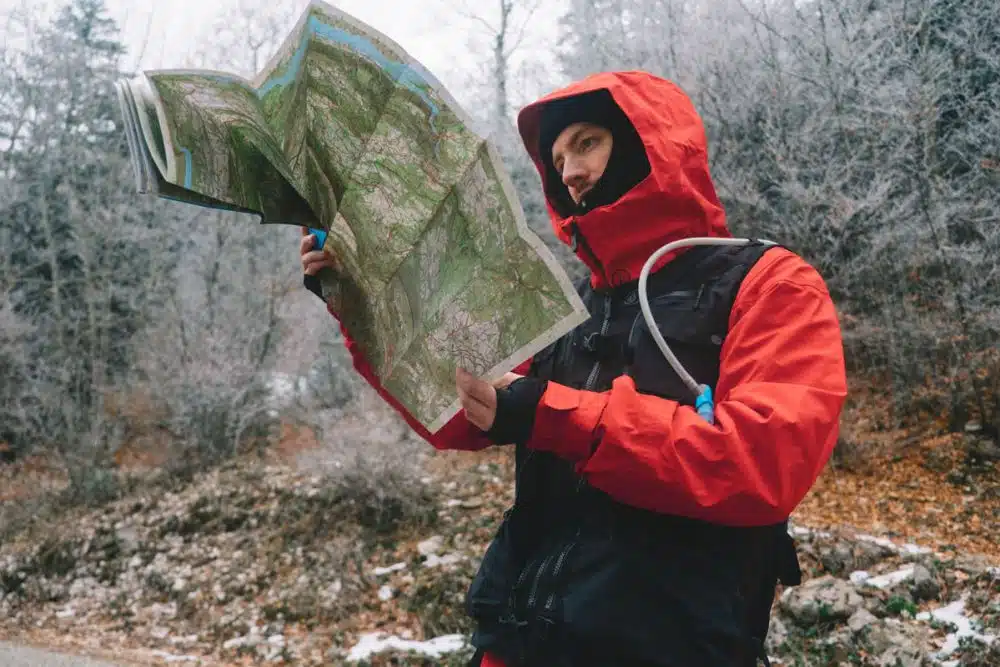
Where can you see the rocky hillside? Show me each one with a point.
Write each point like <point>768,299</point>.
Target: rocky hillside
<point>871,601</point>
<point>262,563</point>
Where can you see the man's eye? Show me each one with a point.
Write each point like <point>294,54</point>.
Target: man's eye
<point>588,143</point>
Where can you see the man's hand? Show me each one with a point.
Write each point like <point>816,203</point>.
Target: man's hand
<point>479,397</point>
<point>504,410</point>
<point>313,260</point>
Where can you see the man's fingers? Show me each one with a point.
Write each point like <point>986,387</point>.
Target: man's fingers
<point>315,261</point>
<point>468,399</point>
<point>316,256</point>
<point>477,413</point>
<point>311,254</point>
<point>478,389</point>
<point>315,267</point>
<point>307,242</point>
<point>478,399</point>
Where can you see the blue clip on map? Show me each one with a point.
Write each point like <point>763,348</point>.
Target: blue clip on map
<point>320,238</point>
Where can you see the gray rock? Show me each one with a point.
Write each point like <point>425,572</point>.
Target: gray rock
<point>837,558</point>
<point>867,554</point>
<point>902,656</point>
<point>823,599</point>
<point>12,655</point>
<point>892,632</point>
<point>247,641</point>
<point>839,646</point>
<point>973,565</point>
<point>431,545</point>
<point>897,644</point>
<point>128,539</point>
<point>982,448</point>
<point>860,620</point>
<point>924,585</point>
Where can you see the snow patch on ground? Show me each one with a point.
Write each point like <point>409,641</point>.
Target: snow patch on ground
<point>171,658</point>
<point>377,642</point>
<point>954,614</point>
<point>906,549</point>
<point>395,567</point>
<point>911,549</point>
<point>885,581</point>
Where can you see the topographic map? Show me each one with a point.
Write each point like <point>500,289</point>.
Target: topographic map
<point>343,131</point>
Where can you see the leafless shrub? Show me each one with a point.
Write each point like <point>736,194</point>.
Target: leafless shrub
<point>370,455</point>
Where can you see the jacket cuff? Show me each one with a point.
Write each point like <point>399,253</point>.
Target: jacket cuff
<point>313,284</point>
<point>566,422</point>
<point>517,404</point>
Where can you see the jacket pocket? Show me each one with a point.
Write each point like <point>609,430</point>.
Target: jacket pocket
<point>487,597</point>
<point>692,333</point>
<point>671,606</point>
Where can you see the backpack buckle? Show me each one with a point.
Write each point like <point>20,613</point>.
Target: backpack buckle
<point>598,345</point>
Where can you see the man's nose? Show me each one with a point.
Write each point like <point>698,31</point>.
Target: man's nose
<point>574,175</point>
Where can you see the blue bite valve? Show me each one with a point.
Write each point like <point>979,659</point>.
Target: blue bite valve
<point>705,405</point>
<point>320,238</point>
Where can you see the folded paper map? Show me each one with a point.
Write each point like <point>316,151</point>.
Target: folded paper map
<point>344,132</point>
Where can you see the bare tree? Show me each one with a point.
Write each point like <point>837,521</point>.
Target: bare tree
<point>243,37</point>
<point>505,27</point>
<point>78,251</point>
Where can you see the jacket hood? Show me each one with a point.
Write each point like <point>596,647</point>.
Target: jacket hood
<point>676,200</point>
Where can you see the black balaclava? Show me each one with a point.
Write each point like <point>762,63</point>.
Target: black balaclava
<point>627,164</point>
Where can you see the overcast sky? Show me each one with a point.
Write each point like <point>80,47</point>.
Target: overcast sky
<point>433,31</point>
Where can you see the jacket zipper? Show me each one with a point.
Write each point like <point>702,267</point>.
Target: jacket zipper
<point>560,561</point>
<point>534,585</point>
<point>592,378</point>
<point>517,586</point>
<point>577,241</point>
<point>558,569</point>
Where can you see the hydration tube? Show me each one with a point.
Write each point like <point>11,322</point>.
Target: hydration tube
<point>704,403</point>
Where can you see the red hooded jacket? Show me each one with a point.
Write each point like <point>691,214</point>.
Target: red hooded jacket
<point>782,378</point>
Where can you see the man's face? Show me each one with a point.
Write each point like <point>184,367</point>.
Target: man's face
<point>580,154</point>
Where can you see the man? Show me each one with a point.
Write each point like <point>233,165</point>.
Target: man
<point>641,534</point>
